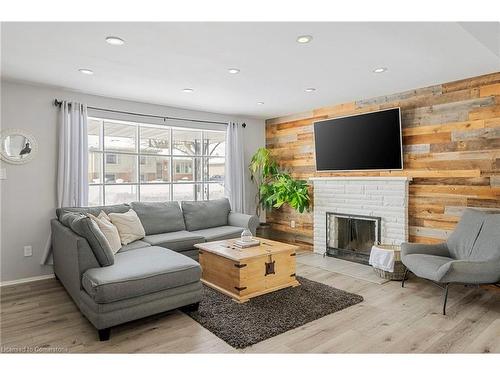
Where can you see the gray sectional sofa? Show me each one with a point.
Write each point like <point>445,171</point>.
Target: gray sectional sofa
<point>155,274</point>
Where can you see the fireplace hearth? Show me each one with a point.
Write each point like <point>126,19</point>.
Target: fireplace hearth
<point>351,237</point>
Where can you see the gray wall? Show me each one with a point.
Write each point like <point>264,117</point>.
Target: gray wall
<point>28,195</point>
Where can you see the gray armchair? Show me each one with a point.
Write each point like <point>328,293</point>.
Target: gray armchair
<point>470,256</point>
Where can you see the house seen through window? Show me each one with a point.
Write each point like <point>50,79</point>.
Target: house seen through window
<point>135,161</point>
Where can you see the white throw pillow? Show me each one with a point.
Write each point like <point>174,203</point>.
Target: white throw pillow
<point>109,230</point>
<point>129,226</point>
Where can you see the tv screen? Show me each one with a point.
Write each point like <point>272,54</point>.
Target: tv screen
<point>360,142</point>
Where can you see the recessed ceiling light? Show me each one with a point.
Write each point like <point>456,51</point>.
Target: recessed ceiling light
<point>187,90</point>
<point>260,103</point>
<point>379,70</point>
<point>86,71</point>
<point>233,70</point>
<point>310,89</point>
<point>304,39</point>
<point>115,41</point>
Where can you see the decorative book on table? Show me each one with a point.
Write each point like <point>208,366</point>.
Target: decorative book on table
<point>244,244</point>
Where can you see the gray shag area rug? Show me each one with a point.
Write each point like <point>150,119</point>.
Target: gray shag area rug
<point>241,325</point>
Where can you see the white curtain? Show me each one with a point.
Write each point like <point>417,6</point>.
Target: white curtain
<point>72,168</point>
<point>235,168</point>
<point>72,165</point>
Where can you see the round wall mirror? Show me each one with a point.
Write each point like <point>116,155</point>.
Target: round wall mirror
<point>17,146</point>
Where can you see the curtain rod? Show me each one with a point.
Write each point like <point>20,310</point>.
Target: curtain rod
<point>58,103</point>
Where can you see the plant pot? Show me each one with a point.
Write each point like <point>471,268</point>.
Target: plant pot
<point>264,230</point>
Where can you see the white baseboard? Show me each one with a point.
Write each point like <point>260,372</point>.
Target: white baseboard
<point>26,280</point>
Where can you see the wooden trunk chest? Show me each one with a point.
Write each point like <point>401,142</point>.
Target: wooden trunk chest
<point>246,273</point>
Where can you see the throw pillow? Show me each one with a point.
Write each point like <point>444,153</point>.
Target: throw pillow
<point>88,229</point>
<point>109,230</point>
<point>129,226</point>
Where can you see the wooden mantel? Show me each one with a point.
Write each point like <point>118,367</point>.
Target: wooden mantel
<point>347,178</point>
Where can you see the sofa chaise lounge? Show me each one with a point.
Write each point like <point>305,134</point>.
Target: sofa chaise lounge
<point>155,274</point>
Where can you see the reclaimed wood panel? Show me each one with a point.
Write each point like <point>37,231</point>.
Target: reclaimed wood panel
<point>451,139</point>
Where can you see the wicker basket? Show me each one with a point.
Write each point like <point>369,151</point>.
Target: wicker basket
<point>399,267</point>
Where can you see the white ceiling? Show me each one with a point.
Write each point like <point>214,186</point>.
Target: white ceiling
<point>160,59</point>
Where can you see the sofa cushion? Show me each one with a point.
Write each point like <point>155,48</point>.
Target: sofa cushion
<point>134,245</point>
<point>88,229</point>
<point>205,214</point>
<point>179,241</point>
<point>427,266</point>
<point>159,217</point>
<point>140,272</point>
<point>117,208</point>
<point>194,253</point>
<point>219,233</point>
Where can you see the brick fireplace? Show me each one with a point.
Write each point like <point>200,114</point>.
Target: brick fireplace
<point>350,213</point>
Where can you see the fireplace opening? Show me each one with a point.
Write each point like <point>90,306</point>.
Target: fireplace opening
<point>351,237</point>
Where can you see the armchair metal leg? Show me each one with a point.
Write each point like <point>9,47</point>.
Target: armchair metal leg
<point>404,278</point>
<point>445,298</point>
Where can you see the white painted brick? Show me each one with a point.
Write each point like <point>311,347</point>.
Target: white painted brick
<point>393,201</point>
<point>384,198</point>
<point>372,183</point>
<point>387,192</point>
<point>355,189</point>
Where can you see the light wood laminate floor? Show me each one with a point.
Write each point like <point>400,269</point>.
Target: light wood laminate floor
<point>40,316</point>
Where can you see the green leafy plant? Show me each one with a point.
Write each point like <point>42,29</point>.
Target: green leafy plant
<point>275,187</point>
<point>263,168</point>
<point>286,190</point>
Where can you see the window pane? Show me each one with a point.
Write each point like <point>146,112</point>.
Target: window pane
<point>215,191</point>
<point>94,134</point>
<point>186,142</point>
<point>155,140</point>
<point>120,194</point>
<point>148,155</point>
<point>119,137</point>
<point>95,195</point>
<point>95,167</point>
<point>187,192</point>
<point>214,144</point>
<point>155,169</point>
<point>155,193</point>
<point>214,169</point>
<point>183,169</point>
<point>120,168</point>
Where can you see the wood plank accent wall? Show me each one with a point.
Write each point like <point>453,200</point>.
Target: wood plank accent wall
<point>451,139</point>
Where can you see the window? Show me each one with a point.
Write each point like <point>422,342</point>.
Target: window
<point>111,159</point>
<point>136,161</point>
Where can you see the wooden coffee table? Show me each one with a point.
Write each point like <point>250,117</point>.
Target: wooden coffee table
<point>246,273</point>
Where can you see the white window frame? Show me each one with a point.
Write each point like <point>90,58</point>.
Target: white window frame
<point>201,187</point>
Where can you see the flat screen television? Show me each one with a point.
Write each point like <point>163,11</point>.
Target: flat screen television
<point>370,141</point>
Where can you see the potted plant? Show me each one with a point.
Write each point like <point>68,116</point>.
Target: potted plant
<point>275,187</point>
